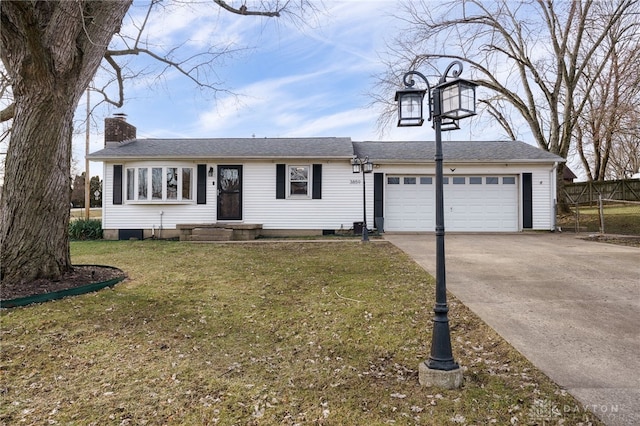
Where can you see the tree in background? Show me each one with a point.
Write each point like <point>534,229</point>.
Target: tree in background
<point>537,59</point>
<point>607,135</point>
<point>77,191</point>
<point>51,51</point>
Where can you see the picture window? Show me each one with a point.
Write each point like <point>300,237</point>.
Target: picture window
<point>159,184</point>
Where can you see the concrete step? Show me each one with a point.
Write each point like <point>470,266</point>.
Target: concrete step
<point>211,234</point>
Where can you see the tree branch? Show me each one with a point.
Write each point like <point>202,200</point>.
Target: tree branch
<point>7,113</point>
<point>119,80</point>
<point>500,118</point>
<point>242,10</point>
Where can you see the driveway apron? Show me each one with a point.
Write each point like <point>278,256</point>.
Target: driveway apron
<point>570,306</point>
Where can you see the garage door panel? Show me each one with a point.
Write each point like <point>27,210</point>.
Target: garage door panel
<point>409,206</point>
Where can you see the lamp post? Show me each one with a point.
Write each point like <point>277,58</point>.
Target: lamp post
<point>448,102</point>
<point>365,166</point>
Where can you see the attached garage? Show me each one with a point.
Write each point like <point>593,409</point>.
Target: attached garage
<point>488,186</point>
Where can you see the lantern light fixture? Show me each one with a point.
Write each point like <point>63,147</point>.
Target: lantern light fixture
<point>364,166</point>
<point>448,102</point>
<point>451,100</point>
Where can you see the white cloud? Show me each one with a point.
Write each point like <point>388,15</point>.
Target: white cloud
<point>336,124</point>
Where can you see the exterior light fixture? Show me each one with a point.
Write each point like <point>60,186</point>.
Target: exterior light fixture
<point>210,171</point>
<point>365,166</point>
<point>410,107</point>
<point>457,99</point>
<point>448,101</point>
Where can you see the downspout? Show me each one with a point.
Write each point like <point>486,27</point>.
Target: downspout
<point>554,197</point>
<point>160,228</point>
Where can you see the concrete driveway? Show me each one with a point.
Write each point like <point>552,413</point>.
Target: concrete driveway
<point>571,306</point>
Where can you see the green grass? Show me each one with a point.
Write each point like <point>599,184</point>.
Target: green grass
<point>264,333</point>
<point>618,219</point>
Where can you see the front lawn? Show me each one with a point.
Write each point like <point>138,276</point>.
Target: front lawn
<point>265,333</point>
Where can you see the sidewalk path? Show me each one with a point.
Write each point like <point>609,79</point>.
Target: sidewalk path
<point>571,306</point>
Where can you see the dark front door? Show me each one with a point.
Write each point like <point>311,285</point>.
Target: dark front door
<point>229,192</point>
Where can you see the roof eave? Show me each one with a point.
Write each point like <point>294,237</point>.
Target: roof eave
<point>213,157</point>
<point>449,160</point>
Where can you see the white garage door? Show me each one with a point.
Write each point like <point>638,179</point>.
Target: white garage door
<point>471,203</point>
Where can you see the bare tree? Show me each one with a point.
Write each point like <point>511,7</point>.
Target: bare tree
<point>532,57</point>
<point>624,160</point>
<point>605,130</point>
<point>51,51</point>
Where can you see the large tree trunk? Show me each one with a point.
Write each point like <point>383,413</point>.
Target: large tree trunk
<point>51,50</point>
<point>35,199</point>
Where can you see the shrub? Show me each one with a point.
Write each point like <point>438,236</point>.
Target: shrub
<point>85,229</point>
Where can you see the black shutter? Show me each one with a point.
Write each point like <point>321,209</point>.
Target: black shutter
<point>281,181</point>
<point>316,193</point>
<point>202,184</point>
<point>117,184</point>
<point>527,200</point>
<point>378,194</point>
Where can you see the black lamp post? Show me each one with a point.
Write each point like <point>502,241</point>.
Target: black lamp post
<point>448,102</point>
<point>365,166</point>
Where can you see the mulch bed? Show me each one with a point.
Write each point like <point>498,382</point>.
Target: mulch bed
<point>81,275</point>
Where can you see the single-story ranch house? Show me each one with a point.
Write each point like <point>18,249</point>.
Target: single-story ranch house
<point>238,188</point>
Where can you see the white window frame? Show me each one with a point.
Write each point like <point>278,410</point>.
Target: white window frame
<point>136,197</point>
<point>290,181</point>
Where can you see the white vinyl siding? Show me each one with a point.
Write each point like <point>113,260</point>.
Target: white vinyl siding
<point>339,207</point>
<point>542,196</point>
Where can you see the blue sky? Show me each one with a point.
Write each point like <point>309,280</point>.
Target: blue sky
<point>292,81</point>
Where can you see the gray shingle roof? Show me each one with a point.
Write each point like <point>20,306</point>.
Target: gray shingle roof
<point>463,151</point>
<point>325,147</point>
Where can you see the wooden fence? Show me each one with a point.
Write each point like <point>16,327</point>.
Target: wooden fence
<point>590,192</point>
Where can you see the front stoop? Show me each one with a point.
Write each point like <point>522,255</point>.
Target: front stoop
<point>219,232</point>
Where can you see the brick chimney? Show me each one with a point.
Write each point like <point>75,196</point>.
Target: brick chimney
<point>116,130</point>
